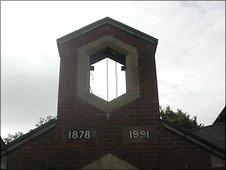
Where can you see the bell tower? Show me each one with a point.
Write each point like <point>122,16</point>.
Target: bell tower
<point>102,39</point>
<point>103,124</point>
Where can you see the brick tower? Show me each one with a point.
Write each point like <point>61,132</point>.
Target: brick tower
<point>125,132</point>
<point>78,107</point>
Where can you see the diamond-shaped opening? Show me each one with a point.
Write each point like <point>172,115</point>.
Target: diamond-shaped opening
<point>107,74</point>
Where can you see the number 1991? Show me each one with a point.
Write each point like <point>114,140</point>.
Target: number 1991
<point>135,134</point>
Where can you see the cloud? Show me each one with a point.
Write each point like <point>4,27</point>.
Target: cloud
<point>190,55</point>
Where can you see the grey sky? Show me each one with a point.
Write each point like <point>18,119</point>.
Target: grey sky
<point>190,56</point>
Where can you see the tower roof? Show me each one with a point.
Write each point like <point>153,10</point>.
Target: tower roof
<point>107,20</point>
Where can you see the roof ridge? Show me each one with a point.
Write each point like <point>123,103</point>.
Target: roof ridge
<point>198,128</point>
<point>103,21</point>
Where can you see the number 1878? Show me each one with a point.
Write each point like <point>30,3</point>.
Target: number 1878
<point>79,134</point>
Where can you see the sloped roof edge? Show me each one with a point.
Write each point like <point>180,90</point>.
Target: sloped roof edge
<point>2,144</point>
<point>107,20</point>
<point>214,134</point>
<point>204,127</point>
<point>194,139</point>
<point>220,117</point>
<point>28,136</point>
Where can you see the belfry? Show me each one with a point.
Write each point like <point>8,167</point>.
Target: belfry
<point>119,131</point>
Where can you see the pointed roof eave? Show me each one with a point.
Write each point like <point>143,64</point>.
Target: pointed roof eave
<point>107,20</point>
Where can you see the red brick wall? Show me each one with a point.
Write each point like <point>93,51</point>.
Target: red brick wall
<point>54,150</point>
<point>167,151</point>
<point>72,110</point>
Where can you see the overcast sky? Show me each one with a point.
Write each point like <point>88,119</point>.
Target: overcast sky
<point>190,57</point>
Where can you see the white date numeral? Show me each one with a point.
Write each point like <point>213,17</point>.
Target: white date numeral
<point>79,134</point>
<point>135,134</point>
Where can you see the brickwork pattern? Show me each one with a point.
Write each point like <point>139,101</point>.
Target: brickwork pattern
<point>54,150</point>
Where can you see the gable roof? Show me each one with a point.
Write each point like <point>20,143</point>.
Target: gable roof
<point>107,20</point>
<point>214,134</point>
<point>28,136</point>
<point>211,147</point>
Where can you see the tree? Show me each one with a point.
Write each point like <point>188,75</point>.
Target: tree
<point>18,134</point>
<point>179,118</point>
<point>11,137</point>
<point>44,120</point>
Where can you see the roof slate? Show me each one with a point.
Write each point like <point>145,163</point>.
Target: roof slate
<point>212,147</point>
<point>214,134</point>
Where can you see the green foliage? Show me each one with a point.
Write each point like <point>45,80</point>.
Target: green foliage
<point>179,118</point>
<point>42,120</point>
<point>10,137</point>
